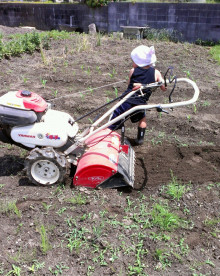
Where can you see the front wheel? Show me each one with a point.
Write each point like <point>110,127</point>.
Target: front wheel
<point>46,166</point>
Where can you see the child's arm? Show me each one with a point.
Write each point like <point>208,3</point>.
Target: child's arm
<point>159,78</point>
<point>130,74</point>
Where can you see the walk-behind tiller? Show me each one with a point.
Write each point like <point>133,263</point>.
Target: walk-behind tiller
<point>101,157</point>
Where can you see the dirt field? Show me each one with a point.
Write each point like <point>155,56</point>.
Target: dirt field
<point>63,230</point>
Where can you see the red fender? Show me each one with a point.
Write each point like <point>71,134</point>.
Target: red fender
<point>100,161</point>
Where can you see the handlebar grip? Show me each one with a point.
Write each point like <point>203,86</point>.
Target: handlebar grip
<point>152,85</point>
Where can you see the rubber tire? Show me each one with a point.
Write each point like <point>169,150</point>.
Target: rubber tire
<point>5,136</point>
<point>30,163</point>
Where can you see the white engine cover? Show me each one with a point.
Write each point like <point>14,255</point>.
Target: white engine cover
<point>10,99</point>
<point>53,130</point>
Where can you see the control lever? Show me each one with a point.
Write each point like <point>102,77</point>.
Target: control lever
<point>159,109</point>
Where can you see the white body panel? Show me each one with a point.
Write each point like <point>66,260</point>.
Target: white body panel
<point>53,130</point>
<point>10,99</point>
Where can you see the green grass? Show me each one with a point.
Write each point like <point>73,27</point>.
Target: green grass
<point>175,189</point>
<point>215,52</point>
<point>161,35</point>
<point>9,208</point>
<point>77,200</point>
<point>163,218</point>
<point>17,44</point>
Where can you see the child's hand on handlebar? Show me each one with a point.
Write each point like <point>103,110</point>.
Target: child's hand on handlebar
<point>136,86</point>
<point>163,87</point>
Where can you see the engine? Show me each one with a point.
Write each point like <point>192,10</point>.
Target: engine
<point>28,119</point>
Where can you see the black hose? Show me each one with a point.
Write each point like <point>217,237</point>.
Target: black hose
<point>89,113</point>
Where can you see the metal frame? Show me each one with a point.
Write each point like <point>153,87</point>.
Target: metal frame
<point>80,141</point>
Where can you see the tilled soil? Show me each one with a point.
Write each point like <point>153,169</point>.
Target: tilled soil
<point>112,236</point>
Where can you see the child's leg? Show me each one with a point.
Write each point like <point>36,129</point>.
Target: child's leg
<point>143,123</point>
<point>141,131</point>
<point>120,110</point>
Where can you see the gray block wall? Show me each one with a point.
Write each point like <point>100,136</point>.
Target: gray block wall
<point>192,21</point>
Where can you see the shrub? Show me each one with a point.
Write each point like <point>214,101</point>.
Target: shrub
<point>161,34</point>
<point>96,3</point>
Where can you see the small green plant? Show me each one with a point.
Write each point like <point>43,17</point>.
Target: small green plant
<point>45,245</point>
<point>55,93</point>
<point>19,227</point>
<point>76,239</point>
<point>99,39</point>
<point>91,90</point>
<point>61,211</point>
<point>36,266</point>
<point>210,263</point>
<point>162,256</point>
<point>43,57</point>
<point>25,80</point>
<point>44,83</point>
<point>83,43</point>
<point>159,139</point>
<point>116,92</point>
<point>97,230</point>
<point>59,190</point>
<point>206,103</point>
<point>98,69</point>
<point>65,63</point>
<point>113,73</point>
<point>90,270</point>
<point>139,265</point>
<point>212,222</point>
<point>189,118</point>
<point>130,204</point>
<point>210,186</point>
<point>184,248</point>
<point>88,71</point>
<point>59,269</point>
<point>188,74</point>
<point>16,271</point>
<point>194,108</point>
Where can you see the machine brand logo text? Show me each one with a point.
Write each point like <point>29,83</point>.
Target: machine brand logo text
<point>26,135</point>
<point>96,178</point>
<point>52,137</point>
<point>15,105</point>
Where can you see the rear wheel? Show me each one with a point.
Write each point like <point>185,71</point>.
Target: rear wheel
<point>46,166</point>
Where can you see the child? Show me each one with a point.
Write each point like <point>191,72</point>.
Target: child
<point>143,72</point>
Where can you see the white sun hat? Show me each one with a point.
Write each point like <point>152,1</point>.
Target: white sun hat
<point>143,56</point>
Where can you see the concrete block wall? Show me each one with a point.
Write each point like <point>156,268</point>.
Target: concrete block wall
<point>47,17</point>
<point>193,21</point>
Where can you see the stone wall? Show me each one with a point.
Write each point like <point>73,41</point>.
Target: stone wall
<point>193,21</point>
